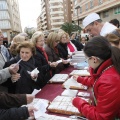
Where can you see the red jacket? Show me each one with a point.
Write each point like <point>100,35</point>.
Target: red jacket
<point>106,86</point>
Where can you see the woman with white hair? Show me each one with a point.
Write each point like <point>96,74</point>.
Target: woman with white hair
<point>41,57</point>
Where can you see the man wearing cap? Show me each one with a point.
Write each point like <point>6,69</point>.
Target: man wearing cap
<point>94,26</point>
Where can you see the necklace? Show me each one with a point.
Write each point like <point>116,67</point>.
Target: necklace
<point>96,81</point>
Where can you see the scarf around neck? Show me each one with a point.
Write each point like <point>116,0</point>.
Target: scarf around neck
<point>43,51</point>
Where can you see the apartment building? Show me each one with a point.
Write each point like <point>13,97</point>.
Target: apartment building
<point>42,18</point>
<point>53,14</point>
<point>9,18</point>
<point>107,9</point>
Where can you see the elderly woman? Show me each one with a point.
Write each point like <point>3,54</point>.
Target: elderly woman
<point>24,82</point>
<point>62,46</point>
<point>41,57</point>
<point>52,51</point>
<point>16,41</point>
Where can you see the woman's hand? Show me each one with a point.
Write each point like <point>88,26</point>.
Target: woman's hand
<point>15,77</point>
<point>53,64</point>
<point>13,68</point>
<point>75,77</point>
<point>34,76</point>
<point>65,61</point>
<point>29,98</point>
<point>31,110</point>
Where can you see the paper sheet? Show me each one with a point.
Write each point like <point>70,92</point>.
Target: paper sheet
<point>35,91</point>
<point>35,71</point>
<point>59,61</point>
<point>69,92</point>
<point>41,109</point>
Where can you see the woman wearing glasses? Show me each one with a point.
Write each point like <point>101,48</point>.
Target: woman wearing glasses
<point>103,60</point>
<point>41,57</point>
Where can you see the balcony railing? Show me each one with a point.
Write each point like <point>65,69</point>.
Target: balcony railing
<point>55,1</point>
<point>57,23</point>
<point>56,12</point>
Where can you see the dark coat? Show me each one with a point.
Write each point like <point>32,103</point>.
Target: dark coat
<point>63,52</point>
<point>12,100</point>
<point>8,104</point>
<point>53,57</point>
<point>25,84</point>
<point>42,64</point>
<point>14,113</point>
<point>77,44</point>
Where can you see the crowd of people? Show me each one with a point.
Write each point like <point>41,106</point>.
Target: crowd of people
<point>102,52</point>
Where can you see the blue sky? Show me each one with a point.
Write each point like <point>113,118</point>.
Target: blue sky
<point>29,11</point>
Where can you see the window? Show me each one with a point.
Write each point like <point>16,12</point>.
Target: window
<point>86,6</point>
<point>91,4</point>
<point>117,10</point>
<point>75,12</point>
<point>80,9</point>
<point>100,1</point>
<point>75,2</point>
<point>4,34</point>
<point>105,14</point>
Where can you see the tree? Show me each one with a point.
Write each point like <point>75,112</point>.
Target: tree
<point>30,31</point>
<point>70,27</point>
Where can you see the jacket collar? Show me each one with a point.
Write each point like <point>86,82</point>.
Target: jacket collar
<point>101,68</point>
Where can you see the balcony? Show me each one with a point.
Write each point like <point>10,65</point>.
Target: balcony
<point>43,4</point>
<point>44,23</point>
<point>57,23</point>
<point>43,10</point>
<point>44,18</point>
<point>57,17</point>
<point>43,14</point>
<point>55,1</point>
<point>45,27</point>
<point>56,12</point>
<point>56,6</point>
<point>55,28</point>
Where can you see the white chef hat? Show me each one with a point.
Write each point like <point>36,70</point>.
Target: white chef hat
<point>90,18</point>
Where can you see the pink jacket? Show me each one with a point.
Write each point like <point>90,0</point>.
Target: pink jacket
<point>106,86</point>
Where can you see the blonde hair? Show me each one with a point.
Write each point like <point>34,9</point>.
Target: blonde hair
<point>114,38</point>
<point>18,39</point>
<point>26,44</point>
<point>35,37</point>
<point>52,37</point>
<point>61,34</point>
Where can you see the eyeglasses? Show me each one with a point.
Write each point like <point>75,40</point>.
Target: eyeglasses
<point>86,60</point>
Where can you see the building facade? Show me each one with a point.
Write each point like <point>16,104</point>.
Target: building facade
<point>107,9</point>
<point>54,13</point>
<point>9,18</point>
